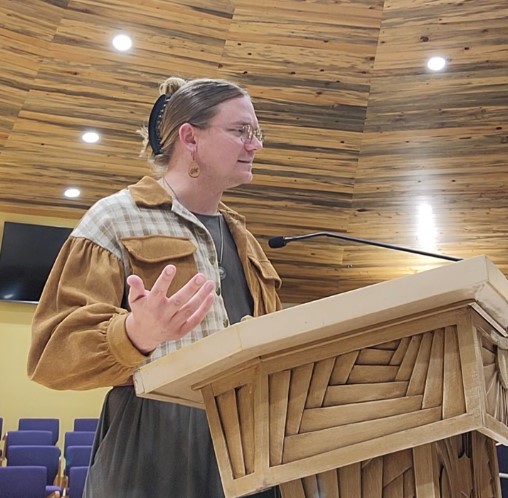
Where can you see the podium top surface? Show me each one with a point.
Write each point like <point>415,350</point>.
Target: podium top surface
<point>475,280</point>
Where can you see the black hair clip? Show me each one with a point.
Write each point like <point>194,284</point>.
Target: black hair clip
<point>154,123</point>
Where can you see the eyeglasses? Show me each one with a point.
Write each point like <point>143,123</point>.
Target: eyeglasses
<point>245,132</point>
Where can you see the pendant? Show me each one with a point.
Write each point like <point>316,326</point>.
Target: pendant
<point>222,272</point>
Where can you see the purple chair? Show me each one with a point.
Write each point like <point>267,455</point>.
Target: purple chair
<point>77,478</point>
<point>47,456</point>
<point>77,456</point>
<point>86,424</point>
<point>78,438</point>
<point>23,482</point>
<point>41,424</point>
<point>24,438</point>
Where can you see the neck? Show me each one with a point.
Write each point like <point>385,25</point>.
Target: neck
<point>189,194</point>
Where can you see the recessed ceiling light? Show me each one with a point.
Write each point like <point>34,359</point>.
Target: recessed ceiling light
<point>436,63</point>
<point>90,137</point>
<point>72,192</point>
<point>122,42</point>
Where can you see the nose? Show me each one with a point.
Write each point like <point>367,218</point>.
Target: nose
<point>254,144</point>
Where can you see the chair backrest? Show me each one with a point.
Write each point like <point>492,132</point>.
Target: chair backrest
<point>86,424</point>
<point>78,438</point>
<point>1,433</point>
<point>23,482</point>
<point>77,456</point>
<point>23,438</point>
<point>502,458</point>
<point>47,456</point>
<point>77,478</point>
<point>41,424</point>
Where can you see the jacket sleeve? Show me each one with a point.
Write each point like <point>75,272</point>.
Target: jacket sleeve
<point>78,331</point>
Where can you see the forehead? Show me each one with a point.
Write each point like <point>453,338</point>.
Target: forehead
<point>237,110</point>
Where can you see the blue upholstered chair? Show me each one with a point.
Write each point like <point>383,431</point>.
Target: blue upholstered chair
<point>41,424</point>
<point>502,459</point>
<point>86,424</point>
<point>24,482</point>
<point>77,478</point>
<point>24,438</point>
<point>46,456</point>
<point>77,456</point>
<point>1,435</point>
<point>78,438</point>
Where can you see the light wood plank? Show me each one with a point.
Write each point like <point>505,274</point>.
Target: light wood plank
<point>407,365</point>
<point>319,383</point>
<point>373,356</point>
<point>313,443</point>
<point>245,397</point>
<point>228,412</point>
<point>278,406</point>
<point>433,392</point>
<point>322,418</point>
<point>328,484</point>
<point>350,480</point>
<point>342,395</point>
<point>453,387</point>
<point>421,366</point>
<point>298,392</point>
<point>425,477</point>
<point>372,478</point>
<point>343,366</point>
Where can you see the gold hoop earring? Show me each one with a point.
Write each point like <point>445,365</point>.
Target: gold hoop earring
<point>194,170</point>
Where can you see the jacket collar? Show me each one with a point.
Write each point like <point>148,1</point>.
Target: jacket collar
<point>149,193</point>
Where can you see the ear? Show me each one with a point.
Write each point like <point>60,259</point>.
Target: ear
<point>187,135</point>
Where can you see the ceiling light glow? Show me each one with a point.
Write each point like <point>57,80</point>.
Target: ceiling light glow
<point>436,63</point>
<point>122,42</point>
<point>90,137</point>
<point>426,227</point>
<point>72,193</point>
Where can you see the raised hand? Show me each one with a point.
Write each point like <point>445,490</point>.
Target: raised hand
<point>155,318</point>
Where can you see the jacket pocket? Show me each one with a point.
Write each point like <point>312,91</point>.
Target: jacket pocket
<point>269,281</point>
<point>149,255</point>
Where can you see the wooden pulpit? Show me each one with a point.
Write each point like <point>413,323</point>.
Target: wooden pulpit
<point>395,390</point>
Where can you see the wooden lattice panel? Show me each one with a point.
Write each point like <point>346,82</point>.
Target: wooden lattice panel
<point>380,390</point>
<point>494,353</point>
<point>309,416</point>
<point>388,476</point>
<point>460,466</point>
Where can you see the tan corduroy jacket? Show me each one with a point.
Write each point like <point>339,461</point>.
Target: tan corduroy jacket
<point>78,334</point>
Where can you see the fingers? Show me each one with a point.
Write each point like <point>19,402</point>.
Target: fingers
<point>185,294</point>
<point>197,316</point>
<point>191,306</point>
<point>155,318</point>
<point>161,285</point>
<point>136,288</point>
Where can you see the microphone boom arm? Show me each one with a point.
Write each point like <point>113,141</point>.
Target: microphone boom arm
<point>366,241</point>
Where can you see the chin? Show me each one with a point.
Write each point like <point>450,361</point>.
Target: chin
<point>244,179</point>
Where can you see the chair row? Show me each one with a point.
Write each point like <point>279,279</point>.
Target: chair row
<point>45,438</point>
<point>53,425</point>
<point>31,482</point>
<point>58,470</point>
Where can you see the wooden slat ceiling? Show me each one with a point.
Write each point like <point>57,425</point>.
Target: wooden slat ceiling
<point>362,139</point>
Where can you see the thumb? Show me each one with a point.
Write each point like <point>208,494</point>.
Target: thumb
<point>136,288</point>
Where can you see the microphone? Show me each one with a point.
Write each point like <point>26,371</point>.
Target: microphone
<point>276,242</point>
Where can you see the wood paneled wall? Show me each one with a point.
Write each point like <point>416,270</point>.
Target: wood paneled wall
<point>361,138</point>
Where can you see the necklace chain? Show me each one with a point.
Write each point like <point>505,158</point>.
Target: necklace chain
<point>170,188</point>
<point>222,270</point>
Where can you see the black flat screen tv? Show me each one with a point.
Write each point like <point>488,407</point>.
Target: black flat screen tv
<point>27,255</point>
